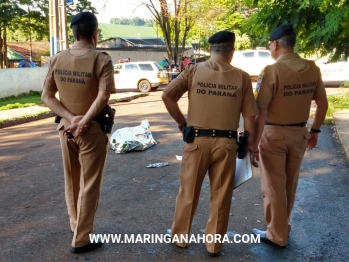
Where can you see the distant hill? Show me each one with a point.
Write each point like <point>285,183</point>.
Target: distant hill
<point>112,30</point>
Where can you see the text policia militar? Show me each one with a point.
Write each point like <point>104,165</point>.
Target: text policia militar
<point>74,74</point>
<point>213,89</point>
<point>299,89</point>
<point>166,238</point>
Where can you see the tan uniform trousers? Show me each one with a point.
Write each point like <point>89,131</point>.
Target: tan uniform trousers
<point>218,157</point>
<point>281,150</point>
<point>84,162</point>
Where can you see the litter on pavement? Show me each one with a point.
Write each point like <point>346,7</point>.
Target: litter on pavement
<point>158,164</point>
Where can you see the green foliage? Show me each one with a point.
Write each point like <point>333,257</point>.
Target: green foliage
<point>322,26</point>
<point>136,21</point>
<point>337,102</point>
<point>9,9</point>
<point>32,19</point>
<point>20,101</point>
<point>345,85</point>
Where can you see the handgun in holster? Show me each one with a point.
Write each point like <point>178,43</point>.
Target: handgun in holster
<point>106,119</point>
<point>188,133</point>
<point>242,144</point>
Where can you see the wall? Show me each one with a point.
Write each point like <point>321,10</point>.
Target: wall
<point>15,81</point>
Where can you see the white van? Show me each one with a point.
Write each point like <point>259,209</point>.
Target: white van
<point>252,61</point>
<point>145,75</point>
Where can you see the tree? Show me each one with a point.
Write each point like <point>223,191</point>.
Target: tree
<point>175,21</point>
<point>321,26</point>
<point>136,21</point>
<point>221,15</point>
<point>9,9</point>
<point>31,22</point>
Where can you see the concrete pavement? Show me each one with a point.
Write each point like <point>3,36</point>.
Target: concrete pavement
<point>22,115</point>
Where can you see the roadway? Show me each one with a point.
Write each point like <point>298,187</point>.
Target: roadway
<point>34,224</point>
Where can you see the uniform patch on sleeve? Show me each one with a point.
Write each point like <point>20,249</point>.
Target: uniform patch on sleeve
<point>258,85</point>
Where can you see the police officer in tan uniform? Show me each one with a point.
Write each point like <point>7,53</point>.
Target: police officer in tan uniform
<point>84,79</point>
<point>217,93</point>
<point>284,94</point>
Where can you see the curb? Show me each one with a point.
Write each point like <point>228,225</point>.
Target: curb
<point>26,119</point>
<point>341,132</point>
<point>127,98</point>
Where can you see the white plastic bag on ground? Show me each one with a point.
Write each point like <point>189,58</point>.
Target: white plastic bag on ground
<point>127,139</point>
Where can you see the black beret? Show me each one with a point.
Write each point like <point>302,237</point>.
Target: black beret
<point>222,37</point>
<point>286,29</point>
<point>83,17</point>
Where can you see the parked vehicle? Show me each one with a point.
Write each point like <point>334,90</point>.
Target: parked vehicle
<point>145,76</point>
<point>333,73</point>
<point>252,61</point>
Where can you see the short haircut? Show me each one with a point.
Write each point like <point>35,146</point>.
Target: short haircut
<point>84,30</point>
<point>223,48</point>
<point>287,41</point>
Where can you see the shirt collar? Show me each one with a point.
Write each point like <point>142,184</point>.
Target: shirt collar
<point>287,56</point>
<point>82,44</point>
<point>218,65</point>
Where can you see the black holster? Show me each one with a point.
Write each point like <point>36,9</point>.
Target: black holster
<point>242,144</point>
<point>58,119</point>
<point>106,119</point>
<point>188,133</point>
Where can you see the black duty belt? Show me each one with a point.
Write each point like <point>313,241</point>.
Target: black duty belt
<point>215,133</point>
<point>298,124</point>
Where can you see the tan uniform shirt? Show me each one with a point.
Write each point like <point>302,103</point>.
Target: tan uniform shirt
<point>218,93</point>
<point>78,74</point>
<point>287,87</point>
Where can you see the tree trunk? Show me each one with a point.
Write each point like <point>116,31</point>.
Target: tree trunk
<point>5,48</point>
<point>1,48</point>
<point>170,24</point>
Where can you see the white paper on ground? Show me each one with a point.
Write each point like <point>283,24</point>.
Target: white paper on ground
<point>179,157</point>
<point>243,171</point>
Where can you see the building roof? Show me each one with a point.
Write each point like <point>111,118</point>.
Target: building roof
<point>138,42</point>
<point>13,55</point>
<point>145,41</point>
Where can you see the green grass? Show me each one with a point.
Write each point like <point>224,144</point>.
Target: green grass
<point>111,30</point>
<point>335,103</point>
<point>2,121</point>
<point>24,100</point>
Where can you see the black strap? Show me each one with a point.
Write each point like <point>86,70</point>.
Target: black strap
<point>215,133</point>
<point>298,124</point>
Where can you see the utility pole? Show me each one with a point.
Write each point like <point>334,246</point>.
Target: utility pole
<point>58,26</point>
<point>63,32</point>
